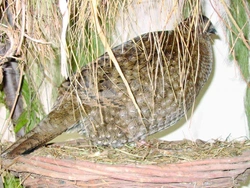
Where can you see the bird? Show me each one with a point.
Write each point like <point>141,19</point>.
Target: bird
<point>165,71</point>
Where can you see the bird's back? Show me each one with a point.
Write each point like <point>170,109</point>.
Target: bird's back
<point>165,71</point>
<point>165,75</point>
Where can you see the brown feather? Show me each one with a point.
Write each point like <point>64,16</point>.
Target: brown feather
<point>165,71</point>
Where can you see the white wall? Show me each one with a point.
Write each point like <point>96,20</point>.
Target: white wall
<point>6,132</point>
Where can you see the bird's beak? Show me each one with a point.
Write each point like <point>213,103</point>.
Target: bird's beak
<point>211,30</point>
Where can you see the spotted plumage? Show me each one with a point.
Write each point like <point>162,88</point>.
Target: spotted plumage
<point>165,71</point>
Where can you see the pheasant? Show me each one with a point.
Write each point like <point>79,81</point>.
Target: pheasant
<point>165,71</point>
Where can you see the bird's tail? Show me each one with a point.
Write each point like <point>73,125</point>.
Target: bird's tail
<point>56,122</point>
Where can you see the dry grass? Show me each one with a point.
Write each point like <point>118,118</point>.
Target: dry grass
<point>155,164</point>
<point>153,152</point>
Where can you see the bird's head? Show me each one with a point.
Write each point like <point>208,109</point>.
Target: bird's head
<point>200,24</point>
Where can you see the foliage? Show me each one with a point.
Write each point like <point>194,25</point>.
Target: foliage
<point>30,115</point>
<point>10,181</point>
<point>238,36</point>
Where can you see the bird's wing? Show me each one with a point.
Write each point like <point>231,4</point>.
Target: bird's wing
<point>99,83</point>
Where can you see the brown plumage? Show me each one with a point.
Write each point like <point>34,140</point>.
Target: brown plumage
<point>165,71</point>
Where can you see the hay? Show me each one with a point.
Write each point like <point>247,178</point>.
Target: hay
<point>152,164</point>
<point>153,152</point>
